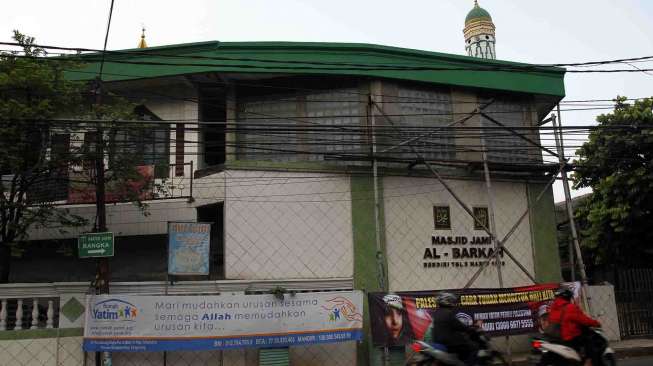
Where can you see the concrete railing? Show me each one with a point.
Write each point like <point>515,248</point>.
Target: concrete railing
<point>28,313</point>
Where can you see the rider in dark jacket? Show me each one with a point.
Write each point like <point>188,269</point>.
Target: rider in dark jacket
<point>451,332</point>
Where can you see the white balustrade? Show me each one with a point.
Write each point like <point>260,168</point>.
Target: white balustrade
<point>3,315</point>
<point>50,314</point>
<point>19,315</point>
<point>35,314</point>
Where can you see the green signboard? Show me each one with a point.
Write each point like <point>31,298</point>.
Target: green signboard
<point>95,245</point>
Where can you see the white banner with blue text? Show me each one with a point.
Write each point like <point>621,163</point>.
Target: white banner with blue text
<point>133,323</point>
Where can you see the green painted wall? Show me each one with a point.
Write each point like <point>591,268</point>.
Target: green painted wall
<point>543,234</point>
<point>366,270</point>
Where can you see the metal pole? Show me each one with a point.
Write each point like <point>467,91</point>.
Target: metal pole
<point>490,200</point>
<point>493,227</point>
<point>572,261</point>
<point>509,234</point>
<point>377,229</point>
<point>570,211</point>
<point>455,196</point>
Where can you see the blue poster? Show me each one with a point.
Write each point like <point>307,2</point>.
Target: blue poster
<point>188,248</point>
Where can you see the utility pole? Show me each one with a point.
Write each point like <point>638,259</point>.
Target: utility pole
<point>103,274</point>
<point>103,271</point>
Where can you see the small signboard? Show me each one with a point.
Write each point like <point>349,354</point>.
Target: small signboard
<point>188,248</point>
<point>93,245</point>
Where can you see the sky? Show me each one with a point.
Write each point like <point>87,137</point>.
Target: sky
<point>542,32</point>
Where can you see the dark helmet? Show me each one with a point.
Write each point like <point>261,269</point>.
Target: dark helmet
<point>393,301</point>
<point>446,299</point>
<point>564,292</point>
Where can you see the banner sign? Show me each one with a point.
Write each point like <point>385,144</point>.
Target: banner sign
<point>133,323</point>
<point>188,248</point>
<point>399,318</point>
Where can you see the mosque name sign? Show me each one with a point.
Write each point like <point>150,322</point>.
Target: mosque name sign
<point>460,252</point>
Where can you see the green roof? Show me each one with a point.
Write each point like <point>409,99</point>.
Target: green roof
<point>477,13</point>
<point>307,58</point>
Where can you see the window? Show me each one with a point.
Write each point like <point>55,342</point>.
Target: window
<point>481,218</point>
<point>339,109</point>
<point>212,109</point>
<point>441,217</point>
<point>423,109</point>
<point>143,146</point>
<point>267,128</point>
<point>270,126</point>
<point>501,144</point>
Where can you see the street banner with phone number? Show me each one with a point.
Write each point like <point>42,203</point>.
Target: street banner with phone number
<point>138,323</point>
<point>401,317</point>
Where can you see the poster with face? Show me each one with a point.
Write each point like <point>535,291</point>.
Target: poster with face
<point>402,317</point>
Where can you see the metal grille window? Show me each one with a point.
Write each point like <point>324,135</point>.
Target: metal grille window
<point>267,128</point>
<point>271,127</point>
<point>338,109</point>
<point>501,144</point>
<point>422,110</point>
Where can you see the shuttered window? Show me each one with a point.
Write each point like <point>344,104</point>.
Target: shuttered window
<point>273,357</point>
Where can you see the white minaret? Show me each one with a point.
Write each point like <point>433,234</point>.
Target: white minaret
<point>479,33</point>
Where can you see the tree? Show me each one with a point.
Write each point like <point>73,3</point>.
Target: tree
<point>41,114</point>
<point>617,163</point>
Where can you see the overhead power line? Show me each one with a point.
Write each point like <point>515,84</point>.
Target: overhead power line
<point>316,65</point>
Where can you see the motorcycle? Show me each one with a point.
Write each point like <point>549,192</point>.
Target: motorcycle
<point>435,354</point>
<point>550,352</point>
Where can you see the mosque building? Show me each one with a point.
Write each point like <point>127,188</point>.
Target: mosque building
<point>290,151</point>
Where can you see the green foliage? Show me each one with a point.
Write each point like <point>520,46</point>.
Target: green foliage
<point>617,163</point>
<point>37,101</point>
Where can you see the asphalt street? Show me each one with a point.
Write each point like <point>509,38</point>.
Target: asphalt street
<point>638,361</point>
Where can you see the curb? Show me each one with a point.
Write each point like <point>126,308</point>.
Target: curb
<point>634,351</point>
<point>622,353</point>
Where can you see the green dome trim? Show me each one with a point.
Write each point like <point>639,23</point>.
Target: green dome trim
<point>477,13</point>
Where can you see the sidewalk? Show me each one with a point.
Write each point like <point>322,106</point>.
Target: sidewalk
<point>633,347</point>
<point>624,349</point>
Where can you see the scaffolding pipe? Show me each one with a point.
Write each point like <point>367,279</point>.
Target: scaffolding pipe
<point>509,234</point>
<point>455,196</point>
<point>557,125</point>
<point>377,221</point>
<point>493,228</point>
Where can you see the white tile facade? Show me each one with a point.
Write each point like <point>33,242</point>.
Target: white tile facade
<point>409,225</point>
<point>287,225</point>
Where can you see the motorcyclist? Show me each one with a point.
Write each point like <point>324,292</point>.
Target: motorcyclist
<point>448,330</point>
<point>574,324</point>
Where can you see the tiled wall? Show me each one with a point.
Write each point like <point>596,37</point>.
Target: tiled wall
<point>287,225</point>
<point>409,225</point>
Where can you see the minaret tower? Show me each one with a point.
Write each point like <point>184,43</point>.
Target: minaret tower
<point>142,43</point>
<point>479,33</point>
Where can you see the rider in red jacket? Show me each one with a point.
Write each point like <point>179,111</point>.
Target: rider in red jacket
<point>573,322</point>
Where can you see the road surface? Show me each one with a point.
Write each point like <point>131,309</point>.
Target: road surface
<point>638,361</point>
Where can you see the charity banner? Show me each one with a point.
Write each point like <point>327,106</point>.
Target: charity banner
<point>188,248</point>
<point>133,323</point>
<point>402,317</point>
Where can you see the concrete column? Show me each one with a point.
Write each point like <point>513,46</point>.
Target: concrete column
<point>465,102</point>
